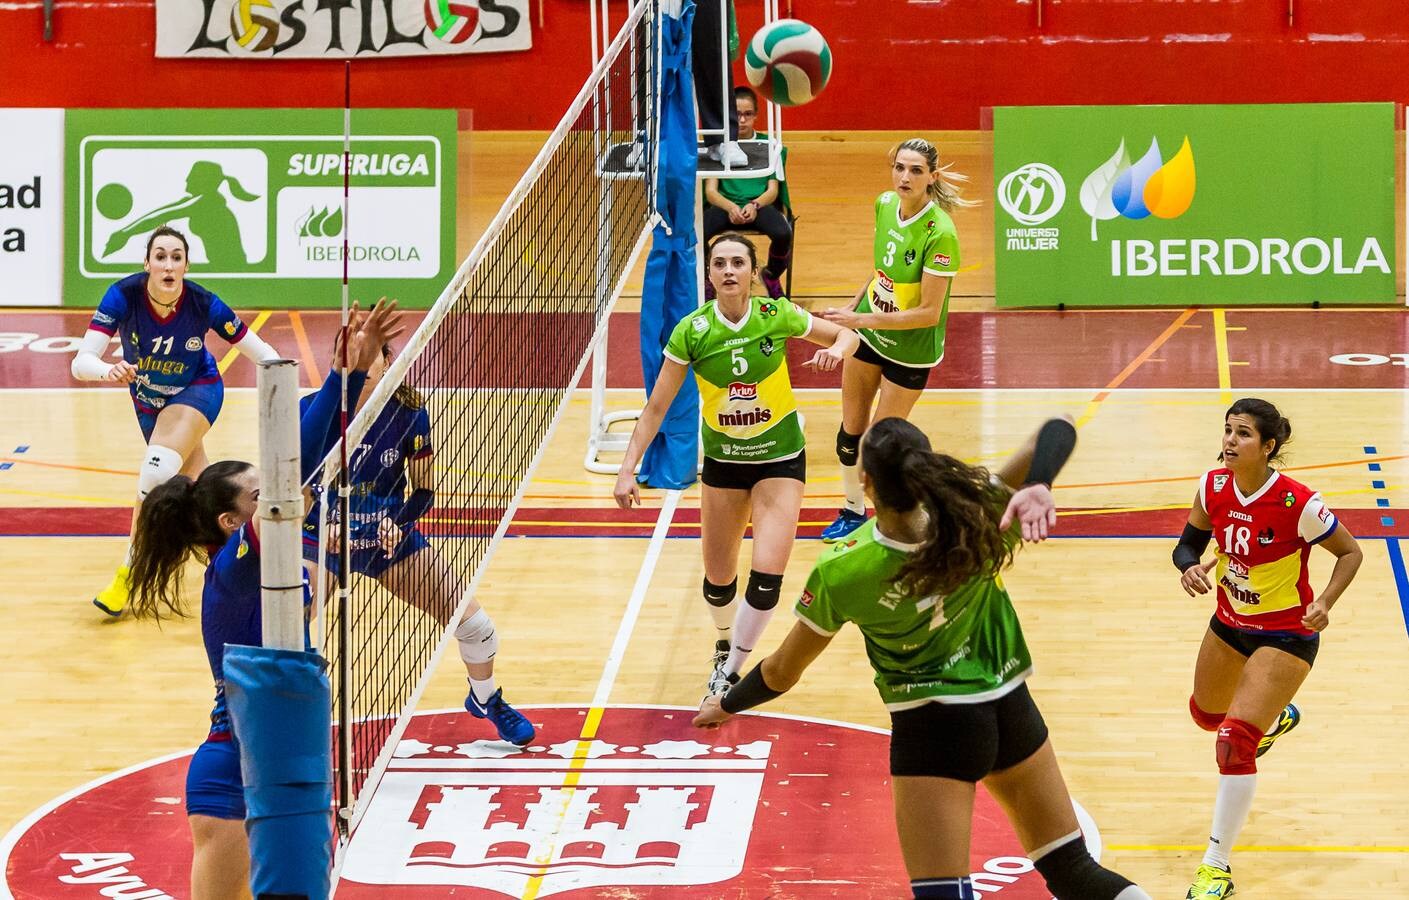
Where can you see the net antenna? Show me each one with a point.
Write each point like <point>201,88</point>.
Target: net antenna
<point>764,157</point>
<point>486,377</point>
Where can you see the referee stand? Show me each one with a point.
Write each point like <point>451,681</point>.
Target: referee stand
<point>677,155</point>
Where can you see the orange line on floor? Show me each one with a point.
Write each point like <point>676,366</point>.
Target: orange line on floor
<point>305,350</point>
<point>47,465</point>
<point>1143,357</point>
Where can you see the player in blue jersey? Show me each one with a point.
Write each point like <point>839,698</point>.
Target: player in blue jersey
<point>160,320</point>
<point>386,544</point>
<point>213,516</point>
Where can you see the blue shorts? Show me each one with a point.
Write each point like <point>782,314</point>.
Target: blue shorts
<point>372,561</point>
<point>214,786</point>
<point>205,398</point>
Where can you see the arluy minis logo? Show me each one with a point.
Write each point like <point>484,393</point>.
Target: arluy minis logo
<point>739,390</point>
<point>1148,187</point>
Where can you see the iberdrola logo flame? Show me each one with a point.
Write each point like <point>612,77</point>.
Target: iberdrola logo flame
<point>1148,187</point>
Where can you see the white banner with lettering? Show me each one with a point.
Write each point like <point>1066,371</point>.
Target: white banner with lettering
<point>362,29</point>
<point>31,207</point>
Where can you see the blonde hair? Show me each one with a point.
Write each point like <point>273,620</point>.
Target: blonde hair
<point>945,189</point>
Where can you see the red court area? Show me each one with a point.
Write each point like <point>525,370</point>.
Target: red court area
<point>1325,348</point>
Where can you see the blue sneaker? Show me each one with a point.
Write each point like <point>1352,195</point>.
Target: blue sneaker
<point>846,522</point>
<point>509,722</point>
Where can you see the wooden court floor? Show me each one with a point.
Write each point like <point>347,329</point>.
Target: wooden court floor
<point>1113,636</point>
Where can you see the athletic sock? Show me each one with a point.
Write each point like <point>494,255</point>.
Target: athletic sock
<point>1230,811</point>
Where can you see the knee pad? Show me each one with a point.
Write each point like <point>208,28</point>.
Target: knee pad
<point>720,594</point>
<point>1236,747</point>
<point>477,638</point>
<point>1206,720</point>
<point>763,590</point>
<point>1071,873</point>
<point>158,466</point>
<point>848,447</point>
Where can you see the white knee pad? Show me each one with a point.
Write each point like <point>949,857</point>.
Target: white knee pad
<point>159,465</point>
<point>478,640</point>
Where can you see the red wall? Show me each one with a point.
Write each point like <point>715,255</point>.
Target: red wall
<point>898,64</point>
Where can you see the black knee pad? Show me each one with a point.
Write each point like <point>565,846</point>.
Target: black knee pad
<point>1072,874</point>
<point>763,590</point>
<point>720,594</point>
<point>848,447</point>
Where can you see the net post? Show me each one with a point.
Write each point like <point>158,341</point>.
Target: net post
<point>280,506</point>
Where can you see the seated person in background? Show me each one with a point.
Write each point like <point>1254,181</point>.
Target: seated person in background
<point>748,203</point>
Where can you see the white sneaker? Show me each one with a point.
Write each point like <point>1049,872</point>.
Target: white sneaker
<point>732,155</point>
<point>729,153</point>
<point>635,155</point>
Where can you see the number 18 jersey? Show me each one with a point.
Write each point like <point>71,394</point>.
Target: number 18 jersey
<point>1262,542</point>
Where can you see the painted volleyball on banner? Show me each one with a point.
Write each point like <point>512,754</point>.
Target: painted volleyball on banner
<point>788,62</point>
<point>254,24</point>
<point>452,21</point>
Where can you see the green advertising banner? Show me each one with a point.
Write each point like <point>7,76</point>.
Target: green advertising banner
<point>259,195</point>
<point>1148,205</point>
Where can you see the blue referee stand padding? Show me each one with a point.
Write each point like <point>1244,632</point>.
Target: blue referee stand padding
<point>669,293</point>
<point>279,704</point>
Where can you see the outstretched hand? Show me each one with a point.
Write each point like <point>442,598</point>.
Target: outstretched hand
<point>1035,508</point>
<point>372,331</point>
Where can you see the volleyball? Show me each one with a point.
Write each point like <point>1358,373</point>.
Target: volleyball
<point>452,22</point>
<point>254,24</point>
<point>788,62</point>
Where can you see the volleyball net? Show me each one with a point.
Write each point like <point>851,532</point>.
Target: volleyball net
<point>468,406</point>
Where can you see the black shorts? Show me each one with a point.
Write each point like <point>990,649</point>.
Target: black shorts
<point>1245,642</point>
<point>739,476</point>
<point>905,376</point>
<point>966,741</point>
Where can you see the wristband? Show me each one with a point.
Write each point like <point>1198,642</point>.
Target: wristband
<point>750,692</point>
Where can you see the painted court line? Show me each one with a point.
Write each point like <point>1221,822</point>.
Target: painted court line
<point>609,673</point>
<point>1143,357</point>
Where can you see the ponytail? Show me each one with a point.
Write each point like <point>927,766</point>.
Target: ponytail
<point>177,517</point>
<point>945,190</point>
<point>962,504</point>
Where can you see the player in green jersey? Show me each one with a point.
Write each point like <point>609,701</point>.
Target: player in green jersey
<point>900,311</point>
<point>922,581</point>
<point>754,463</point>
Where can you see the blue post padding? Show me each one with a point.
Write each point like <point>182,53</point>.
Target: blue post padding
<point>280,711</point>
<point>669,293</point>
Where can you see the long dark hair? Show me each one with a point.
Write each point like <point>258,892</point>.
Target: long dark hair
<point>1271,424</point>
<point>962,539</point>
<point>178,516</point>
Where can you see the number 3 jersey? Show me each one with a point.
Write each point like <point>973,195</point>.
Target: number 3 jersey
<point>1262,543</point>
<point>746,398</point>
<point>169,353</point>
<point>904,251</point>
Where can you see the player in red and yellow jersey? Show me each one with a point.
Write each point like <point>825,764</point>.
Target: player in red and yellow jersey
<point>1263,638</point>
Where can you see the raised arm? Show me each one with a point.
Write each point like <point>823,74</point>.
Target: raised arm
<point>1031,471</point>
